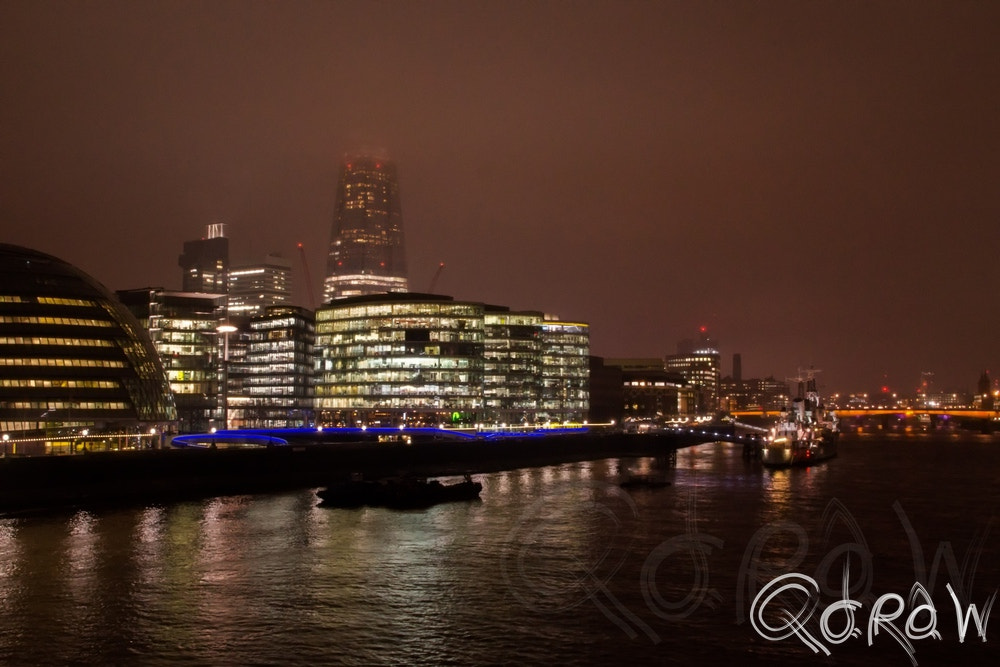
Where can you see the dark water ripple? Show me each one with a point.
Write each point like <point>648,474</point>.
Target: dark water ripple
<point>553,565</point>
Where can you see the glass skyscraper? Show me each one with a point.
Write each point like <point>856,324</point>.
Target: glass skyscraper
<point>366,242</point>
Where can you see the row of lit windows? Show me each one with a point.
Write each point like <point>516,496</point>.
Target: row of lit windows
<point>272,380</point>
<point>41,340</point>
<point>56,384</point>
<point>379,362</point>
<point>370,328</point>
<point>62,321</point>
<point>276,345</point>
<point>52,300</point>
<point>382,310</point>
<point>192,388</point>
<point>276,390</point>
<point>278,356</point>
<point>271,369</point>
<point>512,319</point>
<point>362,351</point>
<point>189,375</point>
<point>74,363</point>
<point>64,405</point>
<point>397,376</point>
<point>166,323</point>
<point>351,402</point>
<point>169,350</point>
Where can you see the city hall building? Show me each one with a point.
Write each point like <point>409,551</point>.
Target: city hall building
<point>77,370</point>
<point>429,359</point>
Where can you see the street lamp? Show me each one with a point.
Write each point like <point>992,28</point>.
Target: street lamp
<point>5,439</point>
<point>225,330</point>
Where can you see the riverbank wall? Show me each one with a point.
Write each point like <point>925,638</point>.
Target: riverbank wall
<point>30,483</point>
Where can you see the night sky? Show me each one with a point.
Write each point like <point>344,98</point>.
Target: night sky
<point>815,182</point>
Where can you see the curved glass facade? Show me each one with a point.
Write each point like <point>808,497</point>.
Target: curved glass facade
<point>421,358</point>
<point>71,356</point>
<point>380,357</point>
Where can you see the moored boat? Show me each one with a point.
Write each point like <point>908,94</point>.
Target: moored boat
<point>397,493</point>
<point>805,433</point>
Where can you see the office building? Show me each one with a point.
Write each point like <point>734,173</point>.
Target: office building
<point>74,363</point>
<point>184,329</point>
<point>699,362</point>
<point>256,286</point>
<point>512,364</point>
<point>271,383</point>
<point>428,359</point>
<point>565,371</point>
<point>366,242</point>
<point>205,262</point>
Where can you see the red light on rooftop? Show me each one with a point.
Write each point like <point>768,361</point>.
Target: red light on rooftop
<point>703,329</point>
<point>378,165</point>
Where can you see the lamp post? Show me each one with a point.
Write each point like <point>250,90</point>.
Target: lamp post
<point>5,439</point>
<point>225,330</point>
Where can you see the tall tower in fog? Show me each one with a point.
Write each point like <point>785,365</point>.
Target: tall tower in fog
<point>366,242</point>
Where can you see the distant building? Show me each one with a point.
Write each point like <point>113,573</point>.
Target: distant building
<point>650,393</point>
<point>765,394</point>
<point>271,384</point>
<point>72,360</point>
<point>366,242</point>
<point>256,286</point>
<point>607,393</point>
<point>183,327</point>
<point>423,358</point>
<point>205,262</point>
<point>700,363</point>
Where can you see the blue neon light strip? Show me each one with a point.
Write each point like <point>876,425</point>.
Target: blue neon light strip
<point>280,437</point>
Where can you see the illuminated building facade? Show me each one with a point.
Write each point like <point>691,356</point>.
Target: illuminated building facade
<point>271,385</point>
<point>700,363</point>
<point>366,243</point>
<point>183,327</point>
<point>406,357</point>
<point>565,371</point>
<point>254,287</point>
<point>421,358</point>
<point>512,365</point>
<point>205,262</point>
<point>73,361</point>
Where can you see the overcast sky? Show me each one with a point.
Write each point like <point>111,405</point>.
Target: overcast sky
<point>815,182</point>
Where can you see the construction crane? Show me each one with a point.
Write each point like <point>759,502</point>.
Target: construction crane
<point>434,280</point>
<point>309,282</point>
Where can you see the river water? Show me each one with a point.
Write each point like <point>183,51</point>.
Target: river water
<point>553,565</point>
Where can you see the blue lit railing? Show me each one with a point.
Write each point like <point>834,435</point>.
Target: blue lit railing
<point>298,436</point>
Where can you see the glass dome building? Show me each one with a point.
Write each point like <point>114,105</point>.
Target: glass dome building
<point>76,368</point>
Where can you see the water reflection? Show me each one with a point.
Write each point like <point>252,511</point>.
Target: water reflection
<point>553,564</point>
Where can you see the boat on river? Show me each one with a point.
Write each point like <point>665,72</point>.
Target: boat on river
<point>397,493</point>
<point>805,433</point>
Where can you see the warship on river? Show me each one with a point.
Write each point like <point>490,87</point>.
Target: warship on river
<point>805,433</point>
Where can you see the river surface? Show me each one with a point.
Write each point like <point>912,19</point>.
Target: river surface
<point>555,565</point>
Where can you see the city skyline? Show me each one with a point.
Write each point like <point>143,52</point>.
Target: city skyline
<point>813,183</point>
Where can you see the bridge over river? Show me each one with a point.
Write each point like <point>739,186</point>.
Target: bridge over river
<point>868,419</point>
